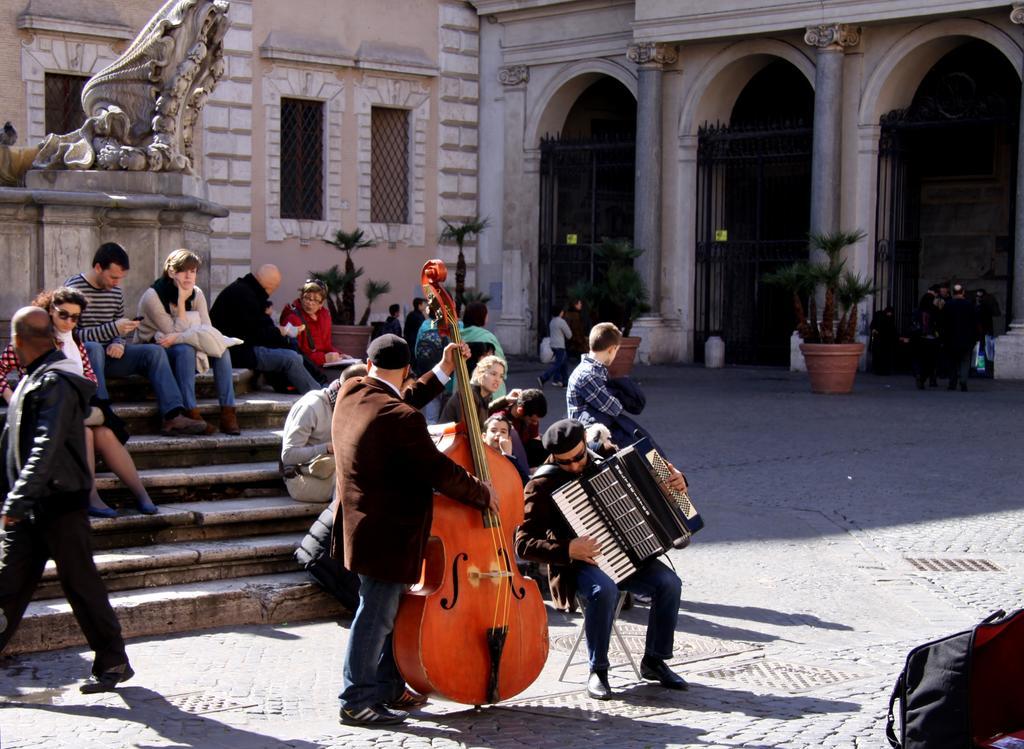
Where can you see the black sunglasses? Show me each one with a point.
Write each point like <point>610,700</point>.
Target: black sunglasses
<point>574,459</point>
<point>63,314</point>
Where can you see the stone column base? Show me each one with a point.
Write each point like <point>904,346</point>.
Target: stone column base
<point>661,340</point>
<point>1009,362</point>
<point>515,336</point>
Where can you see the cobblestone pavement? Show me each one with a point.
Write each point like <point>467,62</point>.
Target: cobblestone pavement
<point>816,573</point>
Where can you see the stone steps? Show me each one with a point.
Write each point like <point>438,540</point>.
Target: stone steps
<point>205,521</point>
<point>219,552</point>
<point>136,387</point>
<point>157,451</point>
<point>263,599</point>
<point>195,483</point>
<point>160,565</point>
<point>254,410</point>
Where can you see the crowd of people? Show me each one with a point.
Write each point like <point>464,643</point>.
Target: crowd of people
<point>359,443</point>
<point>951,335</point>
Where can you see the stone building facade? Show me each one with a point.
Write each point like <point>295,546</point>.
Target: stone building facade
<point>755,122</point>
<point>338,65</point>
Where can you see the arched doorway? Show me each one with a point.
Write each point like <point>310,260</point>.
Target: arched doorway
<point>753,214</point>
<point>586,189</point>
<point>946,178</point>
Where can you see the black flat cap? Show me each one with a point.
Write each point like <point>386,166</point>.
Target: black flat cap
<point>389,351</point>
<point>563,436</point>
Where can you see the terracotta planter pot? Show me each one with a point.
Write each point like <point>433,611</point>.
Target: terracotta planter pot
<point>832,366</point>
<point>351,340</point>
<point>622,365</point>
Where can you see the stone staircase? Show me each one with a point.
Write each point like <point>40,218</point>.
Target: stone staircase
<point>219,553</point>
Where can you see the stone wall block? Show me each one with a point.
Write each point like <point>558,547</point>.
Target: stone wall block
<point>454,62</point>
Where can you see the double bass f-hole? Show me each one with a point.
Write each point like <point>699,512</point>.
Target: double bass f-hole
<point>521,592</point>
<point>445,604</point>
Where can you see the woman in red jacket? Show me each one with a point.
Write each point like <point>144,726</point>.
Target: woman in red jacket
<point>315,338</point>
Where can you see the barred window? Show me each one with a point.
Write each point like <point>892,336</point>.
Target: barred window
<point>302,159</point>
<point>64,111</point>
<point>389,166</point>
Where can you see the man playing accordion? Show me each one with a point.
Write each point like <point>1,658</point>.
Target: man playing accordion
<point>546,537</point>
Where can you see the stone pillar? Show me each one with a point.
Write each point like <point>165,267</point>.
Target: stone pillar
<point>831,41</point>
<point>650,59</point>
<point>1009,363</point>
<point>515,326</point>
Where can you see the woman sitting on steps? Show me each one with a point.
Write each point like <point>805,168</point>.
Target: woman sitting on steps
<point>65,307</point>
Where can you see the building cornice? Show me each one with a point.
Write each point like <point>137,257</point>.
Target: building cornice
<point>768,17</point>
<point>51,24</point>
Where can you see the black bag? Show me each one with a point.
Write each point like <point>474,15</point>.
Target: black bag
<point>315,557</point>
<point>963,690</point>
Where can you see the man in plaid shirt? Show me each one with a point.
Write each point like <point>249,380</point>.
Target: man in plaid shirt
<point>587,394</point>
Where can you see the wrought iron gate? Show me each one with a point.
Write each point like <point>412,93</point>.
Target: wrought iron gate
<point>753,214</point>
<point>586,193</point>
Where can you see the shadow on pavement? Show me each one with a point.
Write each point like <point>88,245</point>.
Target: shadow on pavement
<point>188,730</point>
<point>758,614</point>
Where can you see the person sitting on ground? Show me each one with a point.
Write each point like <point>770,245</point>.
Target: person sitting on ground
<point>526,408</point>
<point>104,329</point>
<point>175,315</point>
<point>307,456</point>
<point>65,308</point>
<point>497,432</point>
<point>313,323</point>
<point>240,311</point>
<point>483,384</point>
<point>392,324</point>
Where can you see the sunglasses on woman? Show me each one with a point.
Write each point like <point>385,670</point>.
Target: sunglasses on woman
<point>63,314</point>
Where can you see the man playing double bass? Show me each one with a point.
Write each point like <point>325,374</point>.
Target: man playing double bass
<point>387,470</point>
<point>545,536</point>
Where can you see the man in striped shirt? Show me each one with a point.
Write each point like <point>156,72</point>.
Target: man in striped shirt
<point>104,328</point>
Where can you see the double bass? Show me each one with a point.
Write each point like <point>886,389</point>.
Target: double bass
<point>473,630</point>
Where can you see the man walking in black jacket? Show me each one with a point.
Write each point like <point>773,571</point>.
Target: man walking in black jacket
<point>46,480</point>
<point>960,334</point>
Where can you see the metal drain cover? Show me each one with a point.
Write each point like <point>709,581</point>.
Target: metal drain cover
<point>775,675</point>
<point>687,649</point>
<point>577,706</point>
<point>935,564</point>
<point>200,703</point>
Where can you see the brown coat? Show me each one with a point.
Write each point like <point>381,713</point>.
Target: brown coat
<point>387,469</point>
<point>544,535</point>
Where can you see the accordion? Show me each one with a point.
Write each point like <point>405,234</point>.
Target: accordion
<point>628,510</point>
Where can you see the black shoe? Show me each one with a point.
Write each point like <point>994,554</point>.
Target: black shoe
<point>920,383</point>
<point>597,685</point>
<point>655,669</point>
<point>540,383</point>
<point>374,715</point>
<point>108,680</point>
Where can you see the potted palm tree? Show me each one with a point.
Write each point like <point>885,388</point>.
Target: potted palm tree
<point>619,296</point>
<point>459,233</point>
<point>374,289</point>
<point>345,334</point>
<point>830,348</point>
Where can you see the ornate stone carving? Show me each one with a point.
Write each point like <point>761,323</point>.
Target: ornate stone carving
<point>143,107</point>
<point>1017,13</point>
<point>514,75</point>
<point>652,53</point>
<point>832,36</point>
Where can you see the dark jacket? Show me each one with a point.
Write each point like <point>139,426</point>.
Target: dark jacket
<point>544,534</point>
<point>240,311</point>
<point>387,470</point>
<point>413,321</point>
<point>46,468</point>
<point>960,325</point>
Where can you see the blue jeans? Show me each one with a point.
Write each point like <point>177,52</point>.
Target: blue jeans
<point>601,594</point>
<point>558,370</point>
<point>287,361</point>
<point>146,359</point>
<point>370,675</point>
<point>183,362</point>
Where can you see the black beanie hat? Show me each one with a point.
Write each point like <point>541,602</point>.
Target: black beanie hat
<point>389,351</point>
